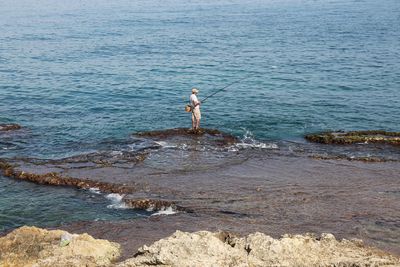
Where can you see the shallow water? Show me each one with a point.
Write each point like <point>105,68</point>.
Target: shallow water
<point>24,203</point>
<point>82,77</point>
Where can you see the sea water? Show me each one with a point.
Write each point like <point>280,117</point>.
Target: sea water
<point>78,75</point>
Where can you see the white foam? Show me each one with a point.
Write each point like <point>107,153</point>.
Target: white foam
<point>248,141</point>
<point>165,144</point>
<point>116,153</point>
<point>165,211</point>
<point>233,149</point>
<point>258,145</point>
<point>115,197</point>
<point>95,190</point>
<point>116,201</point>
<point>118,206</point>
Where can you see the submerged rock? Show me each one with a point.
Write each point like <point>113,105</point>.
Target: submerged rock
<point>9,127</point>
<point>222,249</point>
<point>374,136</point>
<point>54,178</point>
<point>31,246</point>
<point>352,158</point>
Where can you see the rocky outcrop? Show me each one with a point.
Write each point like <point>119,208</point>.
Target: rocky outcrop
<point>222,249</point>
<point>53,178</point>
<point>151,204</point>
<point>210,136</point>
<point>352,158</point>
<point>31,246</point>
<point>9,127</point>
<point>342,138</point>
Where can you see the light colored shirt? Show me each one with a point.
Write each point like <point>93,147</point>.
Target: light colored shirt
<point>194,101</point>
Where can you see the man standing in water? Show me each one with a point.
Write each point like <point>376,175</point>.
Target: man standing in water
<point>196,115</point>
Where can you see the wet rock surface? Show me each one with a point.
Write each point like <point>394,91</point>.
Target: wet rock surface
<point>352,158</point>
<point>31,246</point>
<point>209,136</point>
<point>151,204</point>
<point>275,195</point>
<point>9,127</point>
<point>353,137</point>
<point>216,187</point>
<point>163,134</point>
<point>55,178</point>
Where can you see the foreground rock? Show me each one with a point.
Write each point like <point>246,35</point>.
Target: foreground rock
<point>31,246</point>
<point>221,249</point>
<point>381,137</point>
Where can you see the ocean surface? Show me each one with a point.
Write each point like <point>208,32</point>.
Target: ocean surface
<point>82,76</point>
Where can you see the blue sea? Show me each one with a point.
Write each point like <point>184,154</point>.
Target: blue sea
<point>79,74</point>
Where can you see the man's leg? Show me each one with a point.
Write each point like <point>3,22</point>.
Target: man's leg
<point>193,121</point>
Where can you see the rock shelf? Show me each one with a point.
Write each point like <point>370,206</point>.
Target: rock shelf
<point>354,137</point>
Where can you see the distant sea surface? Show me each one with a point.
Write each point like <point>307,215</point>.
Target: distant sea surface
<point>81,75</point>
<point>76,73</point>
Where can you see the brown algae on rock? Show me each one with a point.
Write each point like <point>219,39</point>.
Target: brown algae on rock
<point>354,137</point>
<point>151,204</point>
<point>9,127</point>
<point>212,136</point>
<point>53,178</point>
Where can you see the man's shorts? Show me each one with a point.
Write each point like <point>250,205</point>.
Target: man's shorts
<point>196,114</point>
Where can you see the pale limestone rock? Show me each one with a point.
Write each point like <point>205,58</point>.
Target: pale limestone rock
<point>189,250</point>
<point>35,247</point>
<point>307,250</point>
<point>258,250</point>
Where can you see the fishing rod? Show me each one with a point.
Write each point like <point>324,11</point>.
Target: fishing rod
<point>189,107</point>
<point>219,90</point>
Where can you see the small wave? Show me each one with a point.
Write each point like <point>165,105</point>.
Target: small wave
<point>95,190</point>
<point>118,206</point>
<point>249,141</point>
<point>116,153</point>
<point>164,144</point>
<point>116,201</point>
<point>166,211</point>
<point>115,197</point>
<point>258,145</point>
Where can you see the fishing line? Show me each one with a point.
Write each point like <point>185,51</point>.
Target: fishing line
<point>219,90</point>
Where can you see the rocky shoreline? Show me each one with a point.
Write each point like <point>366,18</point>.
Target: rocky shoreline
<point>214,188</point>
<point>31,246</point>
